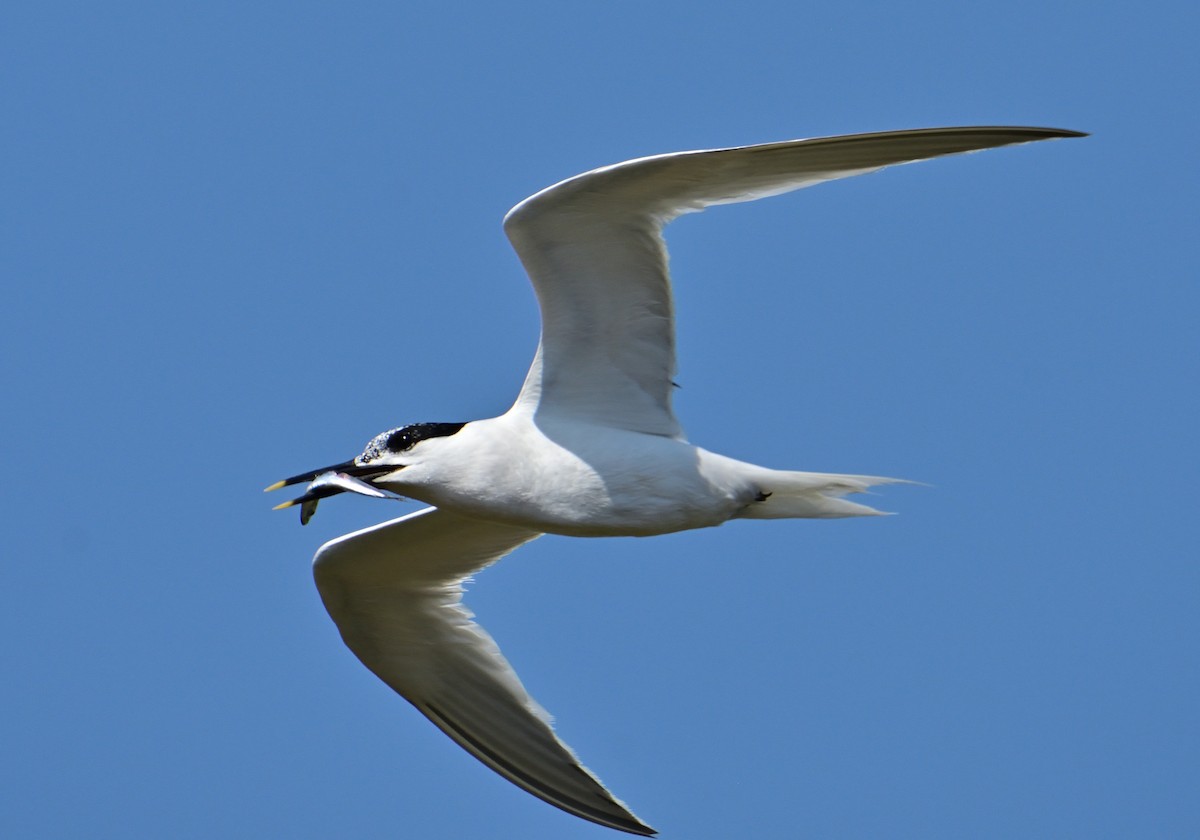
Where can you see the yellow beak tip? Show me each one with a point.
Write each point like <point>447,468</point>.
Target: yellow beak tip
<point>274,486</point>
<point>286,504</point>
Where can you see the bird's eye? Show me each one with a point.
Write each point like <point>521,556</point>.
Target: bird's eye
<point>404,438</point>
<point>400,440</point>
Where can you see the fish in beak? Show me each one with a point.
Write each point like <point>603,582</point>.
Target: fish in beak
<point>347,477</point>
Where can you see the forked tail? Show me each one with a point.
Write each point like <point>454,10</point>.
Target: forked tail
<point>791,495</point>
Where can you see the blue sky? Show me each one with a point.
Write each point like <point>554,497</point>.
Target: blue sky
<point>238,242</point>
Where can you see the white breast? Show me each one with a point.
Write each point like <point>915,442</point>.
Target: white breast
<point>576,479</point>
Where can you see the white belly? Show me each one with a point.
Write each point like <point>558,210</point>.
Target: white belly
<point>582,481</point>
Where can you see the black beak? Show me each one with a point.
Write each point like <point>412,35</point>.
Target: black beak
<point>329,481</point>
<point>346,467</point>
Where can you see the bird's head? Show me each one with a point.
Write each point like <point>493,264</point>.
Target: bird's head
<point>385,455</point>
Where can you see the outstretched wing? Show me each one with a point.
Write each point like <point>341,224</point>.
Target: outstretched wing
<point>593,247</point>
<point>395,593</point>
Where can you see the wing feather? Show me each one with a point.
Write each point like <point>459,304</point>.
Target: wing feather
<point>593,248</point>
<point>395,593</point>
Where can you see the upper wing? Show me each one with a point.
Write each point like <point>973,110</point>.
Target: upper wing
<point>592,246</point>
<point>395,593</point>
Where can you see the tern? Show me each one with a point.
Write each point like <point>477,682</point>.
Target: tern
<point>590,448</point>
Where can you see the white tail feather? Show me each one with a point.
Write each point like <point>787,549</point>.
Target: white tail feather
<point>792,495</point>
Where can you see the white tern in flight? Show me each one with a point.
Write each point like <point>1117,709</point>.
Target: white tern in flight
<point>590,448</point>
